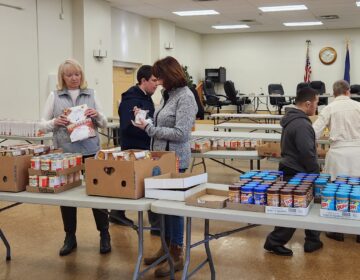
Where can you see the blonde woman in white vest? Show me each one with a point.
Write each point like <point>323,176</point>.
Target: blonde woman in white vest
<point>72,91</point>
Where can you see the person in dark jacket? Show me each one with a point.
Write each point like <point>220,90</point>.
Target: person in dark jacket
<point>298,154</point>
<point>132,137</point>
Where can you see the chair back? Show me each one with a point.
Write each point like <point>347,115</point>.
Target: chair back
<point>355,89</point>
<point>319,86</point>
<point>230,91</point>
<point>210,94</point>
<point>276,89</point>
<point>302,85</point>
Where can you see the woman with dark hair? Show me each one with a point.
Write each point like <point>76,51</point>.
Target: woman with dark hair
<point>171,131</point>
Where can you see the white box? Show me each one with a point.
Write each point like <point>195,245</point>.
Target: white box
<point>339,214</point>
<point>175,181</point>
<point>288,210</point>
<point>174,194</point>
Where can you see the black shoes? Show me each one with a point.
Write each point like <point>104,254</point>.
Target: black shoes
<point>335,235</point>
<point>310,247</point>
<point>155,232</point>
<point>357,238</point>
<point>116,215</point>
<point>105,246</point>
<point>69,245</point>
<point>279,250</point>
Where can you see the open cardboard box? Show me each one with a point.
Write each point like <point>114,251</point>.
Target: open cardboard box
<point>270,149</point>
<point>173,194</point>
<point>245,207</point>
<point>14,173</point>
<point>175,181</point>
<point>125,179</point>
<point>209,198</point>
<point>54,190</point>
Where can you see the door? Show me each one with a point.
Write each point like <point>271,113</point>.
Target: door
<point>123,79</point>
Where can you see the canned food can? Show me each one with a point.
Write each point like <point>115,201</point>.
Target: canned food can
<point>45,164</point>
<point>35,163</point>
<point>54,181</point>
<point>72,161</point>
<point>63,180</point>
<point>65,162</point>
<point>33,181</point>
<point>70,178</point>
<point>78,158</point>
<point>77,176</point>
<point>56,164</point>
<point>43,181</point>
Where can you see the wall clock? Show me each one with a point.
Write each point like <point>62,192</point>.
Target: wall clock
<point>327,55</point>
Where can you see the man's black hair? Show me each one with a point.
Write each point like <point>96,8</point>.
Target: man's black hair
<point>305,94</point>
<point>144,72</point>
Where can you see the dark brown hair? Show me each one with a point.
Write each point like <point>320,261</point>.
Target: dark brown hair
<point>305,94</point>
<point>170,71</point>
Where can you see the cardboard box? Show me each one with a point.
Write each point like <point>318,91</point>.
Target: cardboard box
<point>54,190</point>
<point>125,179</point>
<point>14,175</point>
<point>175,181</point>
<point>288,210</point>
<point>209,198</point>
<point>245,207</point>
<point>269,149</point>
<point>173,194</point>
<point>57,173</point>
<point>339,214</point>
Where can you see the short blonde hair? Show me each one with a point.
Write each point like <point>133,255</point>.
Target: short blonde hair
<point>74,64</point>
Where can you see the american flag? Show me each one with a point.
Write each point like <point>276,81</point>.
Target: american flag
<point>307,66</point>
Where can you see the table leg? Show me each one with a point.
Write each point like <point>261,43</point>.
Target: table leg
<point>140,233</point>
<point>7,245</point>
<point>251,164</point>
<point>258,164</point>
<point>187,249</point>
<point>207,248</point>
<point>165,247</point>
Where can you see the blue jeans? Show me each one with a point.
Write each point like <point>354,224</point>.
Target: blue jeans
<point>174,226</point>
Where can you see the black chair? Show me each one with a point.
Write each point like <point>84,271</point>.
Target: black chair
<point>232,95</point>
<point>211,98</point>
<point>200,114</point>
<point>279,102</point>
<point>302,85</point>
<point>319,86</point>
<point>355,89</point>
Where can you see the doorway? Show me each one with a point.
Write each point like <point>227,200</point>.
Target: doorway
<point>123,79</point>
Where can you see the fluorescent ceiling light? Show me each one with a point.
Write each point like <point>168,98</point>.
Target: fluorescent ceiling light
<point>283,8</point>
<point>304,23</point>
<point>358,3</point>
<point>196,13</point>
<point>234,26</point>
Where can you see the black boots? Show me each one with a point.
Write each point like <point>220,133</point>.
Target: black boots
<point>105,246</point>
<point>278,250</point>
<point>118,217</point>
<point>69,244</point>
<point>335,235</point>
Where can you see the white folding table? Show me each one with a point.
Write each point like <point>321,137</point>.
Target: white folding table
<point>77,197</point>
<point>28,139</point>
<point>227,154</point>
<point>251,126</point>
<point>311,221</point>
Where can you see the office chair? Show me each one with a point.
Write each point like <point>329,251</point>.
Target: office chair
<point>355,89</point>
<point>279,102</point>
<point>232,95</point>
<point>319,86</point>
<point>211,98</point>
<point>301,85</point>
